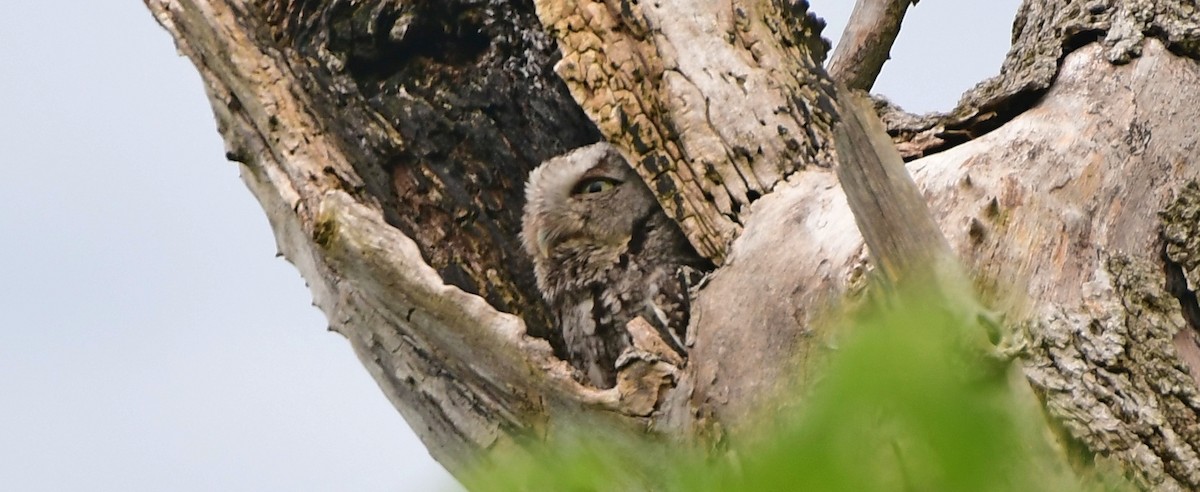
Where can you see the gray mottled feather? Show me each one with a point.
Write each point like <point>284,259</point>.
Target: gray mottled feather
<point>604,258</point>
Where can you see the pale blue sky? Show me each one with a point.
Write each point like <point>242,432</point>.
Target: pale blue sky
<point>150,340</point>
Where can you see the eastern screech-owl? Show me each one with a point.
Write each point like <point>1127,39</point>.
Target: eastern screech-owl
<point>604,253</point>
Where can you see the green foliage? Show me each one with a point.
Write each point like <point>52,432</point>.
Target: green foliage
<point>905,403</point>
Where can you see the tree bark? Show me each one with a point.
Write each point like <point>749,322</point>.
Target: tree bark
<point>388,143</point>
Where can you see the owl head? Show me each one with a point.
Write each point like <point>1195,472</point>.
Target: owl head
<point>586,202</point>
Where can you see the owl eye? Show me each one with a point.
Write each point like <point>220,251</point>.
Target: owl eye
<point>593,185</point>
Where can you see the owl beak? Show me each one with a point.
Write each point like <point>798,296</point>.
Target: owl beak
<point>543,244</point>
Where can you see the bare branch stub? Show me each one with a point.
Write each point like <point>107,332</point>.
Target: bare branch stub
<point>866,42</point>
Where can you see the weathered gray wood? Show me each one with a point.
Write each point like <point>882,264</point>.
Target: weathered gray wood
<point>1043,33</point>
<point>1057,212</point>
<point>905,243</point>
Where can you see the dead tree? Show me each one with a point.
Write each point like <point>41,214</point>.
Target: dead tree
<point>388,142</point>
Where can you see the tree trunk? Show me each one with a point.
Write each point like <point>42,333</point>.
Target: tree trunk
<point>389,141</point>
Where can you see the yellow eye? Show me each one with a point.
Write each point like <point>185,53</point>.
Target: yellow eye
<point>593,185</point>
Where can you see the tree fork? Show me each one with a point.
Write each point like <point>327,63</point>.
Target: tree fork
<point>373,155</point>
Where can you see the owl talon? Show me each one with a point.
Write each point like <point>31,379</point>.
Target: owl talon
<point>648,340</point>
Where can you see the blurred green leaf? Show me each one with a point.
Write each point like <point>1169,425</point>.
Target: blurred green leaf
<point>905,404</point>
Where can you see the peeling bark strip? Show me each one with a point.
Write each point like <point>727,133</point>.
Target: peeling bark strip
<point>714,108</point>
<point>1181,253</point>
<point>1181,231</point>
